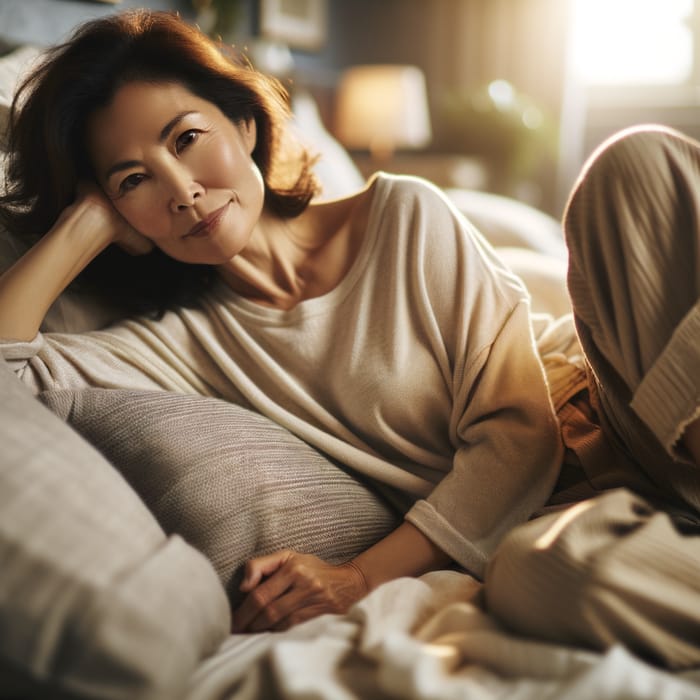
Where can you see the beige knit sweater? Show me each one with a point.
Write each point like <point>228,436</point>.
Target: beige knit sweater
<point>419,370</point>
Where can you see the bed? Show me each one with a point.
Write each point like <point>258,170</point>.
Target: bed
<point>105,593</point>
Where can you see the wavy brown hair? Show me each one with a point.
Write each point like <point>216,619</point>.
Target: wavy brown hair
<point>47,153</point>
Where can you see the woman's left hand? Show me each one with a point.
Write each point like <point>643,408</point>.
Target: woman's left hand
<point>286,588</point>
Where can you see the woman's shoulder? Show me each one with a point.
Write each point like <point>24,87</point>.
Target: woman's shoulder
<point>417,207</point>
<point>398,185</point>
<point>418,215</point>
<point>384,189</point>
<point>402,209</point>
<point>413,201</point>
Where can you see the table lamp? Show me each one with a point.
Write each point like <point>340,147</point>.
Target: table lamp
<point>382,108</point>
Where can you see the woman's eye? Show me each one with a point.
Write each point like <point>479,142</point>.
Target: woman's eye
<point>185,139</point>
<point>130,182</point>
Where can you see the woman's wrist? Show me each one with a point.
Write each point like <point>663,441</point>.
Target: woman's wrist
<point>87,225</point>
<point>404,552</point>
<point>360,575</point>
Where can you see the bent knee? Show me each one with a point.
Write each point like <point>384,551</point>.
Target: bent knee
<point>638,165</point>
<point>537,574</point>
<point>551,577</point>
<point>639,146</point>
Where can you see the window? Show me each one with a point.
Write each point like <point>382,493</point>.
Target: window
<point>634,42</point>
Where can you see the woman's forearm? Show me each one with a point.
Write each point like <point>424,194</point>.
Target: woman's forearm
<point>404,552</point>
<point>35,281</point>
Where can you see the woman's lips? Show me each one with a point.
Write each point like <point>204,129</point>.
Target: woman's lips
<point>207,225</point>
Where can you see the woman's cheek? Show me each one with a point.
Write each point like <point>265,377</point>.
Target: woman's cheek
<point>215,166</point>
<point>139,216</point>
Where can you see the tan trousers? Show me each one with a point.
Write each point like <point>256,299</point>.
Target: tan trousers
<point>614,568</point>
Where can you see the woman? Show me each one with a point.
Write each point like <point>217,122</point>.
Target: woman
<point>379,328</point>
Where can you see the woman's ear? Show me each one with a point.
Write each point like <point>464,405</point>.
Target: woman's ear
<point>249,133</point>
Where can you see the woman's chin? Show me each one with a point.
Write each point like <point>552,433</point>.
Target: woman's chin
<point>211,257</point>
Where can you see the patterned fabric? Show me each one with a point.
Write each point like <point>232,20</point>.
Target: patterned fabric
<point>229,481</point>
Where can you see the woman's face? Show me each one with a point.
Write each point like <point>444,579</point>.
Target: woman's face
<point>178,170</point>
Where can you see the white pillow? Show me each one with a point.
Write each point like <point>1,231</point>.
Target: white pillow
<point>508,222</point>
<point>335,168</point>
<point>94,598</point>
<point>544,276</point>
<point>238,485</point>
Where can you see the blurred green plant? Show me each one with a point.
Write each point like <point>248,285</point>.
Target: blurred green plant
<point>501,125</point>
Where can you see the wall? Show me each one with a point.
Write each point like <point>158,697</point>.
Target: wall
<point>458,42</point>
<point>461,45</point>
<point>48,21</point>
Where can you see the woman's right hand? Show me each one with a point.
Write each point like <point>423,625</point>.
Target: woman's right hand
<point>92,208</point>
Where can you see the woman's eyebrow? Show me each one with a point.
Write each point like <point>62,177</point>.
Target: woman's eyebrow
<point>164,133</point>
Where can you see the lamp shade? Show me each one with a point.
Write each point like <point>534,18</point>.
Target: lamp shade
<point>382,108</point>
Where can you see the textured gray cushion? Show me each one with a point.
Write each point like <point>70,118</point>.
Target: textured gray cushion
<point>94,598</point>
<point>231,482</point>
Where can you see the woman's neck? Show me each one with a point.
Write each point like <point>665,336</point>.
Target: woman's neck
<point>290,260</point>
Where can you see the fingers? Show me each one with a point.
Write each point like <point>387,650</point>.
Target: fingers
<point>289,609</point>
<point>87,188</point>
<point>257,568</point>
<point>91,193</point>
<point>297,588</point>
<point>264,595</point>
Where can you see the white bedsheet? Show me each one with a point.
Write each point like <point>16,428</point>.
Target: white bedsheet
<point>423,639</point>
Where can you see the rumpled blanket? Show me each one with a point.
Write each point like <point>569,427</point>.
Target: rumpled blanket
<point>424,639</point>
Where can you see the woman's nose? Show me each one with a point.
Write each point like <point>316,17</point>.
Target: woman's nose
<point>182,203</point>
<point>184,191</point>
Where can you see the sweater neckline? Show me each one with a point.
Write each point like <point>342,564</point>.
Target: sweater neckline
<point>379,185</point>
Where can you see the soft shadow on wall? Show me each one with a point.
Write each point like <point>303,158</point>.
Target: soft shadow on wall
<point>495,72</point>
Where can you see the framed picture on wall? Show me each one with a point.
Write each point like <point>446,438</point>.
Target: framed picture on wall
<point>300,24</point>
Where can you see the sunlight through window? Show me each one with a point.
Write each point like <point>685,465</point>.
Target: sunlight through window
<point>624,42</point>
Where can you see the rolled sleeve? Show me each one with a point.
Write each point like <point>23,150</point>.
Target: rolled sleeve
<point>440,531</point>
<point>668,398</point>
<point>508,450</point>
